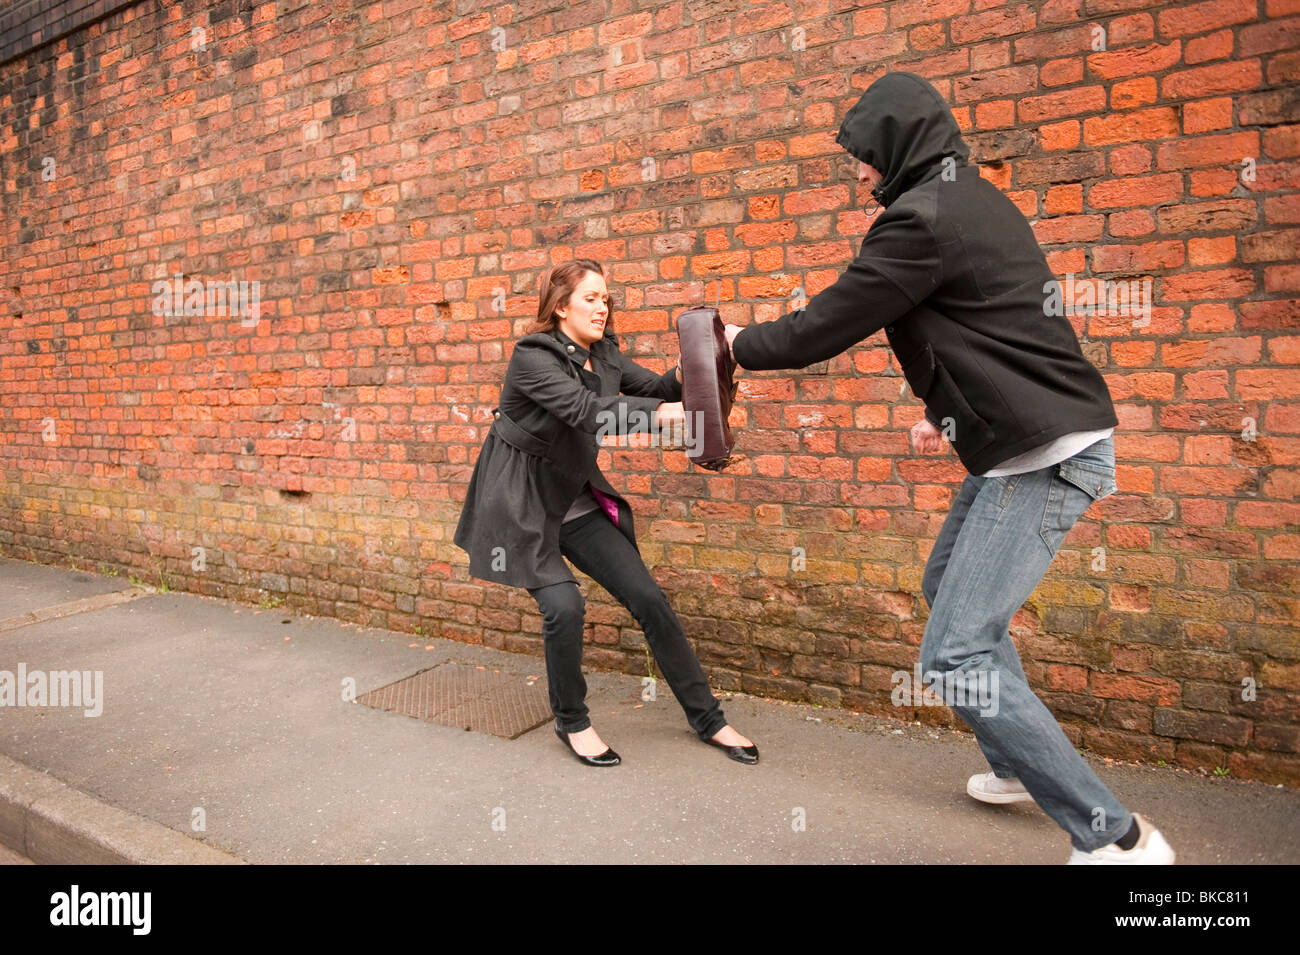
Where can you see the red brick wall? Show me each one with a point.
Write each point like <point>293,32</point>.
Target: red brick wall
<point>382,169</point>
<point>26,24</point>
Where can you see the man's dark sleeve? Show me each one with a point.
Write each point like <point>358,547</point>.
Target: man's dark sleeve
<point>897,266</point>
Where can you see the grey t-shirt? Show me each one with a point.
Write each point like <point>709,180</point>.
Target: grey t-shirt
<point>1045,455</point>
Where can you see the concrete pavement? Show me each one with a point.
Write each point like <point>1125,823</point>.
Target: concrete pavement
<point>224,736</point>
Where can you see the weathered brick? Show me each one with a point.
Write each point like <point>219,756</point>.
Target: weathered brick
<point>1203,17</point>
<point>1153,690</point>
<point>1277,738</point>
<point>1201,727</point>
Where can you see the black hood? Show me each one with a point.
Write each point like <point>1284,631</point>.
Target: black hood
<point>902,127</point>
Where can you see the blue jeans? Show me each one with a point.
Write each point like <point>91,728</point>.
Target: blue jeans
<point>995,546</point>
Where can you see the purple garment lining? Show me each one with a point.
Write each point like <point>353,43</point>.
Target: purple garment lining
<point>608,503</point>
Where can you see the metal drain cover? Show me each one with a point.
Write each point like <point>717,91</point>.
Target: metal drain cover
<point>466,697</point>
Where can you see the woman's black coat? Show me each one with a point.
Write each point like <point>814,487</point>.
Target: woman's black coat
<point>541,451</point>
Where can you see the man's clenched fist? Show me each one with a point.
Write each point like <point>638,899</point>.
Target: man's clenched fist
<point>926,437</point>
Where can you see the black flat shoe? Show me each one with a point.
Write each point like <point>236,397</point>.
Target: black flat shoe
<point>607,758</point>
<point>741,754</point>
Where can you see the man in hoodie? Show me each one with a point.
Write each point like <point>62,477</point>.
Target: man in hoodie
<point>951,271</point>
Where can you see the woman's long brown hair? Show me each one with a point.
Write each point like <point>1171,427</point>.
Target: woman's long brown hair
<point>557,285</point>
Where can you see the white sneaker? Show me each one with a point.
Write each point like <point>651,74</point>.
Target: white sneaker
<point>987,787</point>
<point>1151,849</point>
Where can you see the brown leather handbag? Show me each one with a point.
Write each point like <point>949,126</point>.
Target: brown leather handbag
<point>708,387</point>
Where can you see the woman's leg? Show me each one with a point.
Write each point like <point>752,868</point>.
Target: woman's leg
<point>562,615</point>
<point>599,550</point>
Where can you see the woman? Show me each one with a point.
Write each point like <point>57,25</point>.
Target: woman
<point>537,493</point>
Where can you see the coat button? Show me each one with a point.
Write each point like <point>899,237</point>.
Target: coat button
<point>496,414</point>
<point>890,329</point>
<point>570,349</point>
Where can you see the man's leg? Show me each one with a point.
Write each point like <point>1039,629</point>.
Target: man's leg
<point>935,566</point>
<point>998,557</point>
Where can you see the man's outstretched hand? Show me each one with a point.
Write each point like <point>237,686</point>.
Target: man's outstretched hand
<point>732,331</point>
<point>926,437</point>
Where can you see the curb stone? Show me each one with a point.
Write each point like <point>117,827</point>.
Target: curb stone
<point>52,823</point>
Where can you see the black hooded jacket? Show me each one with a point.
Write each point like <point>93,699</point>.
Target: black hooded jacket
<point>951,271</point>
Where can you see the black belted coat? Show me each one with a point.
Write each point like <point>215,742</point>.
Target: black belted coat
<point>541,451</point>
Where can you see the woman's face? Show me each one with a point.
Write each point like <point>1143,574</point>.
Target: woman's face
<point>583,317</point>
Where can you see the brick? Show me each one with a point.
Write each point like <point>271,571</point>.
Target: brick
<point>1208,696</point>
<point>1203,17</point>
<point>1138,191</point>
<point>1011,81</point>
<point>1131,61</point>
<point>1218,251</point>
<point>1207,115</point>
<point>1129,126</point>
<point>1222,351</point>
<point>1137,222</point>
<point>815,200</point>
<point>1208,284</point>
<point>732,157</point>
<point>1130,599</point>
<point>1189,152</point>
<point>991,23</point>
<point>1196,540</point>
<point>1282,142</point>
<point>1129,94</point>
<point>1271,768</point>
<point>622,28</point>
<point>1279,209</point>
<point>1277,738</point>
<point>1035,109</point>
<point>1153,690</point>
<point>1063,199</point>
<point>1150,257</point>
<point>1269,108</point>
<point>1216,46</point>
<point>1131,746</point>
<point>1217,78</point>
<point>1062,72</point>
<point>909,12</point>
<point>1272,246</point>
<point>1200,756</point>
<point>1064,135</point>
<point>1277,578</point>
<point>1266,384</point>
<point>1132,717</point>
<point>1201,727</point>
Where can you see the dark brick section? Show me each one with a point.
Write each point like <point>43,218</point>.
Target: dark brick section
<point>397,173</point>
<point>1206,727</point>
<point>28,24</point>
